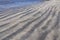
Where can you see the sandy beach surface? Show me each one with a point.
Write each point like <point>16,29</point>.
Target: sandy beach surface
<point>34,22</point>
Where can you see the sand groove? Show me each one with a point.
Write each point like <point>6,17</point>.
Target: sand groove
<point>37,22</point>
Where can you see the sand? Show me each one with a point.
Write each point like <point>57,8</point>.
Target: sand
<point>34,22</point>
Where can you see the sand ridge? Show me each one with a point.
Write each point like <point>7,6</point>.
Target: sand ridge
<point>35,22</point>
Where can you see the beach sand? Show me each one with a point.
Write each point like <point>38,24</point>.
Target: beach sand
<point>34,22</point>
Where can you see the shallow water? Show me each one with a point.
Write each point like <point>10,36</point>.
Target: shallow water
<point>15,4</point>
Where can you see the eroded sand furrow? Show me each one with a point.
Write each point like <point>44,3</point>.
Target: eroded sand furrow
<point>14,14</point>
<point>14,18</point>
<point>28,23</point>
<point>13,11</point>
<point>38,22</point>
<point>14,23</point>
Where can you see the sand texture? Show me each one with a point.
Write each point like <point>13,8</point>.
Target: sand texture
<point>34,22</point>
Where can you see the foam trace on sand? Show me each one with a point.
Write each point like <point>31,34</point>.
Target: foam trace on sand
<point>35,22</point>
